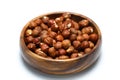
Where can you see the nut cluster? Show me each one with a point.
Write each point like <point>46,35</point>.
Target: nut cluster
<point>60,37</point>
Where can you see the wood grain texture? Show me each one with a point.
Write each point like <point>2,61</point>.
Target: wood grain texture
<point>61,66</point>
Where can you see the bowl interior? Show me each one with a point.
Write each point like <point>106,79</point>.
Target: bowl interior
<point>74,16</point>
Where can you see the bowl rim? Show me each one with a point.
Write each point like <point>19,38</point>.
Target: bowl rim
<point>32,54</point>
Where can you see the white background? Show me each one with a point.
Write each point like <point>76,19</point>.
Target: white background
<point>14,14</point>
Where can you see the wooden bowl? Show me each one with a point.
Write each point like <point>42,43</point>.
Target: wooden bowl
<point>66,66</point>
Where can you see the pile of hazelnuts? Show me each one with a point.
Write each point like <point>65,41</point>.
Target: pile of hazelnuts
<point>60,37</point>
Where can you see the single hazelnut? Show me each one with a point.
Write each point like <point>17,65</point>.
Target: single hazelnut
<point>29,39</point>
<point>87,50</point>
<point>66,15</point>
<point>31,46</point>
<point>85,36</point>
<point>28,32</point>
<point>59,19</point>
<point>51,22</point>
<point>80,38</point>
<point>65,33</point>
<point>73,30</point>
<point>52,52</point>
<point>45,19</point>
<point>66,43</point>
<point>79,32</point>
<point>62,51</point>
<point>76,44</point>
<point>91,44</point>
<point>44,47</point>
<point>48,40</point>
<point>39,52</point>
<point>76,25</point>
<point>59,38</point>
<point>44,26</point>
<point>67,24</point>
<point>91,29</point>
<point>38,28</point>
<point>84,44</point>
<point>70,49</point>
<point>35,32</point>
<point>74,55</point>
<point>58,45</point>
<point>52,34</point>
<point>80,54</point>
<point>38,21</point>
<point>54,27</point>
<point>32,25</point>
<point>73,37</point>
<point>63,57</point>
<point>84,22</point>
<point>36,40</point>
<point>86,30</point>
<point>93,37</point>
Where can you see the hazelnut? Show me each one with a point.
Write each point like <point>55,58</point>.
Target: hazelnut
<point>70,49</point>
<point>66,15</point>
<point>38,21</point>
<point>44,47</point>
<point>29,39</point>
<point>51,22</point>
<point>87,50</point>
<point>28,32</point>
<point>80,38</point>
<point>44,26</point>
<point>85,36</point>
<point>62,51</point>
<point>38,28</point>
<point>79,32</point>
<point>63,57</point>
<point>54,27</point>
<point>65,33</point>
<point>93,37</point>
<point>73,37</point>
<point>84,22</point>
<point>67,24</point>
<point>91,44</point>
<point>73,30</point>
<point>36,40</point>
<point>48,40</point>
<point>52,34</point>
<point>58,19</point>
<point>52,52</point>
<point>32,24</point>
<point>76,25</point>
<point>74,55</point>
<point>80,54</point>
<point>35,32</point>
<point>86,30</point>
<point>58,45</point>
<point>66,43</point>
<point>59,38</point>
<point>91,29</point>
<point>84,44</point>
<point>75,51</point>
<point>31,46</point>
<point>39,52</point>
<point>45,19</point>
<point>76,44</point>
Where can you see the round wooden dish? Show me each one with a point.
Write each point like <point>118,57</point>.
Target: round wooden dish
<point>61,66</point>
